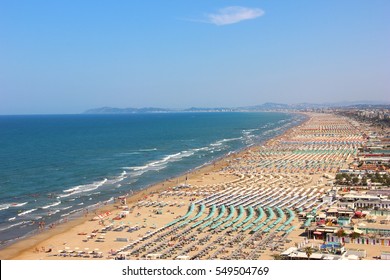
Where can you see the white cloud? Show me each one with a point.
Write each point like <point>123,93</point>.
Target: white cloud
<point>233,14</point>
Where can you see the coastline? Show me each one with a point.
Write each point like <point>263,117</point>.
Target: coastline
<point>24,247</point>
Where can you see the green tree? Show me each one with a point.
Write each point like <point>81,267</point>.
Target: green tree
<point>340,233</point>
<point>277,256</point>
<point>354,235</point>
<point>308,252</point>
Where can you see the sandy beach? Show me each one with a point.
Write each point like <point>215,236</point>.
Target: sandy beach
<point>243,206</point>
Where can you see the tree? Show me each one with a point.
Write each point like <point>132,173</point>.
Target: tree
<point>354,235</point>
<point>355,180</point>
<point>340,233</point>
<point>347,177</point>
<point>308,251</point>
<point>277,256</point>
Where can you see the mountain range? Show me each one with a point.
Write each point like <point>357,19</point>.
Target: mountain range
<point>263,107</point>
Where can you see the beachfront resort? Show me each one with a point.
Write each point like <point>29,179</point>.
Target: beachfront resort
<point>319,191</point>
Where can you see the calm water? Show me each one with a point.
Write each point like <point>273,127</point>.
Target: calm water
<point>53,167</point>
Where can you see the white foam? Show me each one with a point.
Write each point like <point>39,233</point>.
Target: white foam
<point>64,195</point>
<point>231,139</point>
<point>160,164</point>
<point>221,142</point>
<point>51,205</point>
<point>202,149</point>
<point>4,206</point>
<point>250,130</point>
<point>18,204</point>
<point>71,189</point>
<point>53,212</point>
<point>136,168</point>
<point>13,225</point>
<point>83,188</point>
<point>27,211</point>
<point>118,179</point>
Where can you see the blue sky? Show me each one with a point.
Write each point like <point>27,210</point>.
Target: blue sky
<point>69,56</point>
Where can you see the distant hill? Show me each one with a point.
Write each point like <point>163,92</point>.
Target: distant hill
<point>110,110</point>
<point>263,107</point>
<point>267,106</point>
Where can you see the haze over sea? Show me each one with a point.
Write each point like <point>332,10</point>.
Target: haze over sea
<point>55,166</point>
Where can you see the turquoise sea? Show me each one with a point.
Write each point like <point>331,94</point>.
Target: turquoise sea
<point>53,167</point>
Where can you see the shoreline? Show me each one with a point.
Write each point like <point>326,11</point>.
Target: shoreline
<point>28,243</point>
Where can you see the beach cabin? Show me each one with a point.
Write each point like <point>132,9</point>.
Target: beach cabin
<point>385,255</point>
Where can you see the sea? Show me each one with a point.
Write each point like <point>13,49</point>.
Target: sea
<point>54,167</point>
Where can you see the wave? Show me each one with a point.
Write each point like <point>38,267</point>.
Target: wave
<point>4,206</point>
<point>27,211</point>
<point>221,142</point>
<point>148,150</point>
<point>51,205</point>
<point>138,152</point>
<point>231,139</point>
<point>53,212</point>
<point>160,164</point>
<point>118,179</point>
<point>216,144</point>
<point>83,188</point>
<point>18,204</point>
<point>14,225</point>
<point>71,190</point>
<point>8,205</point>
<point>71,212</point>
<point>129,153</point>
<point>202,149</point>
<point>248,132</point>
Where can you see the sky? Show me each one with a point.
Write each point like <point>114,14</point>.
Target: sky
<point>70,56</point>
